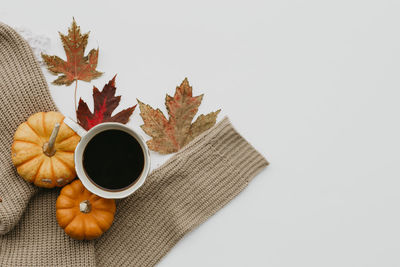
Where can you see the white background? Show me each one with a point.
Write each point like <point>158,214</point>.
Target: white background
<point>313,85</point>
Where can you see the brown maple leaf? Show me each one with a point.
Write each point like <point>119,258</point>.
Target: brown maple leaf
<point>105,102</point>
<point>78,66</point>
<point>170,135</point>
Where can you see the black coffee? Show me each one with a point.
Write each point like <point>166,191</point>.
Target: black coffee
<point>113,159</point>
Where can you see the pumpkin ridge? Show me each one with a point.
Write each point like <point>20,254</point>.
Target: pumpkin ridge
<point>73,201</point>
<point>83,189</point>
<point>33,130</point>
<point>43,123</point>
<point>64,194</point>
<point>66,138</point>
<point>103,210</point>
<point>96,200</point>
<point>93,198</point>
<point>66,224</point>
<point>25,141</point>
<point>83,226</point>
<point>64,151</point>
<point>30,159</point>
<point>72,221</point>
<point>70,208</point>
<point>63,162</point>
<point>76,187</point>
<point>40,166</point>
<point>70,199</point>
<point>51,168</point>
<point>98,220</point>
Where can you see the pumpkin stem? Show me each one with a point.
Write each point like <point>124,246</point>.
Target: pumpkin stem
<point>85,206</point>
<point>48,148</point>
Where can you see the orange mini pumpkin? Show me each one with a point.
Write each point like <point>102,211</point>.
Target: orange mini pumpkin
<point>43,150</point>
<point>82,214</point>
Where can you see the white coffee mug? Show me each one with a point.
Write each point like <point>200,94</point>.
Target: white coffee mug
<point>86,136</point>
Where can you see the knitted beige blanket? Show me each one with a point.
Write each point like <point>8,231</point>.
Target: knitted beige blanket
<point>177,197</point>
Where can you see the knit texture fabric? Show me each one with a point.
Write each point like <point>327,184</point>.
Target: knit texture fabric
<point>23,92</point>
<point>177,197</point>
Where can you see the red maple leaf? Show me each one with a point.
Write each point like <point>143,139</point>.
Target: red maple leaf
<point>105,102</point>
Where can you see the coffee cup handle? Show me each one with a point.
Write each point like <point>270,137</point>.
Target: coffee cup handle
<point>75,126</point>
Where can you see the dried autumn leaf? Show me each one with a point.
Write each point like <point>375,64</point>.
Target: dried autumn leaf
<point>105,102</point>
<point>170,135</point>
<point>78,66</point>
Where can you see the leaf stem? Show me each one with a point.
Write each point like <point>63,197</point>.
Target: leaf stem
<point>76,88</point>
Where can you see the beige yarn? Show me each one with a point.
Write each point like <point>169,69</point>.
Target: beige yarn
<point>23,91</point>
<point>177,197</point>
